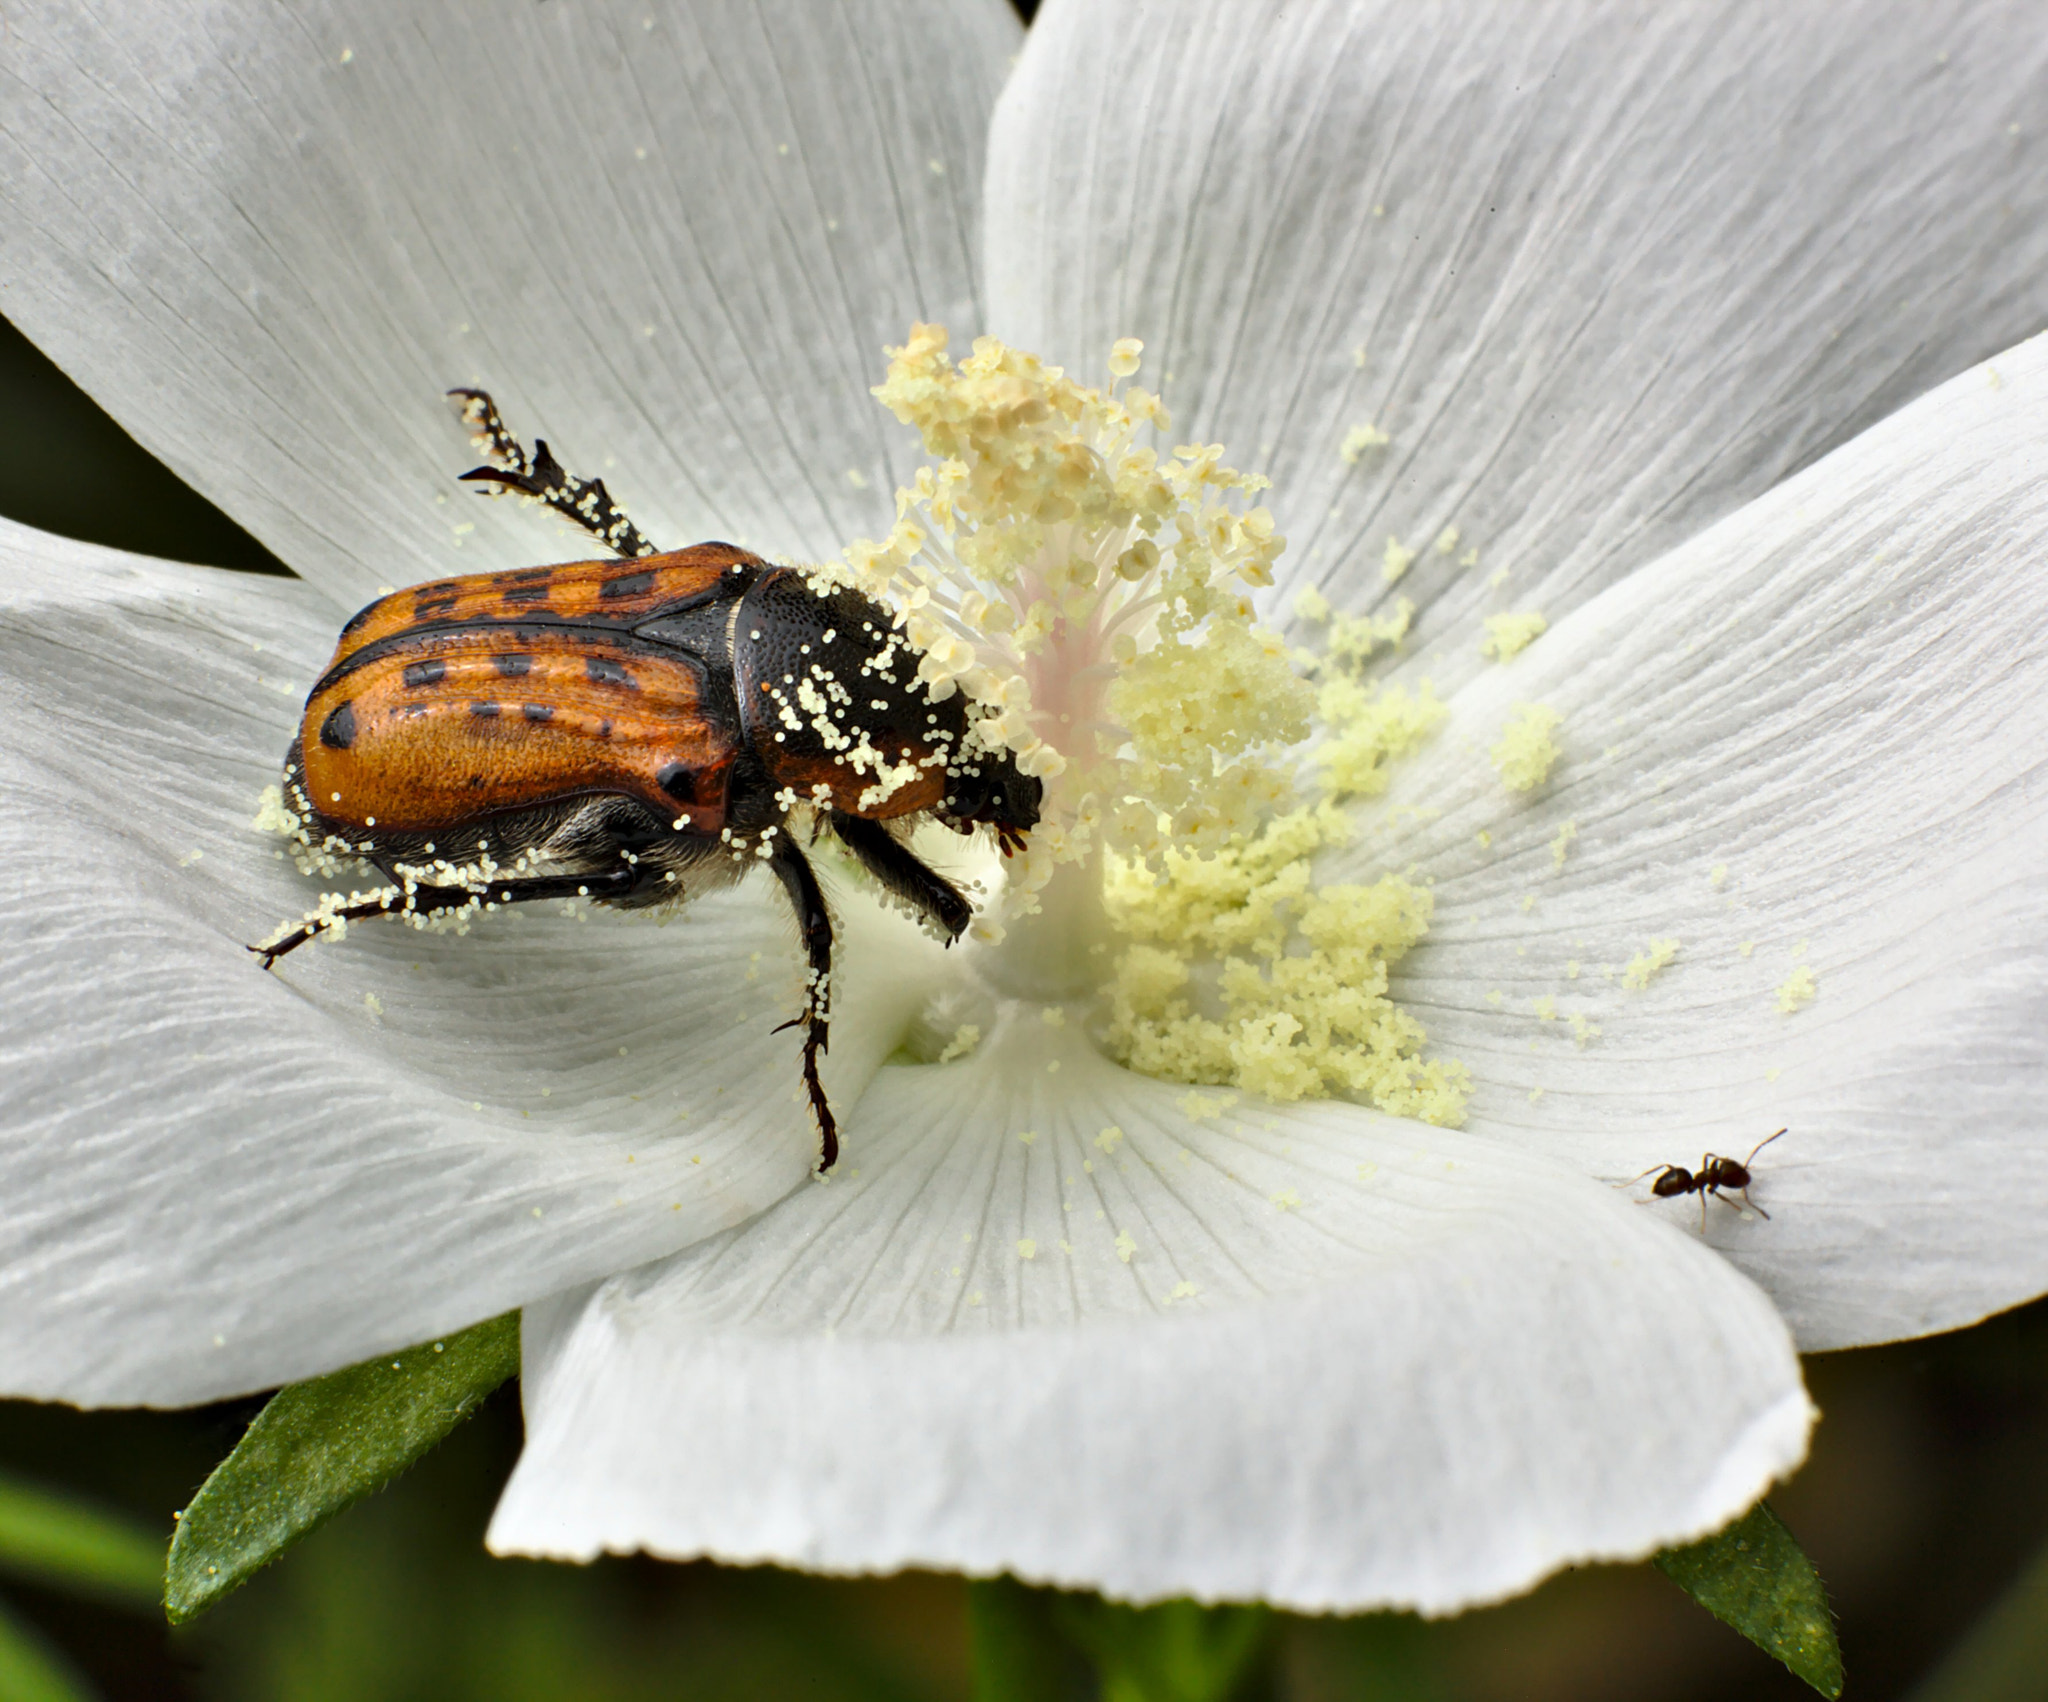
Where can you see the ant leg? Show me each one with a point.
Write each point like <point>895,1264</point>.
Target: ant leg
<point>814,921</point>
<point>427,900</point>
<point>902,872</point>
<point>541,476</point>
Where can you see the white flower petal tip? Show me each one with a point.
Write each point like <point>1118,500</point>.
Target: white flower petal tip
<point>1791,870</point>
<point>1108,1332</point>
<point>651,230</point>
<point>1575,290</point>
<point>219,1180</point>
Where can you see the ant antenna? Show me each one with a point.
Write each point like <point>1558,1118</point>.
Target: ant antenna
<point>1759,1147</point>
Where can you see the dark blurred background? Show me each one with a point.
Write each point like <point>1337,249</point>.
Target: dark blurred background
<point>1924,1506</point>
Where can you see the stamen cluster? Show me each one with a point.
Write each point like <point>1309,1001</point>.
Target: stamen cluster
<point>1092,599</point>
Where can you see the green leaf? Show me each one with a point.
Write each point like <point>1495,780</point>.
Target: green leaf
<point>320,1446</point>
<point>67,1544</point>
<point>1018,1653</point>
<point>1755,1577</point>
<point>1175,1652</point>
<point>31,1670</point>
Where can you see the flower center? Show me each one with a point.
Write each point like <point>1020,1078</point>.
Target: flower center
<point>1092,600</point>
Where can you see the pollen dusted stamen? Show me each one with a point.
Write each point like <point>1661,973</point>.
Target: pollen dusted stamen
<point>1091,600</point>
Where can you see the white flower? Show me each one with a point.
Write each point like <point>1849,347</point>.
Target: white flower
<point>1609,299</point>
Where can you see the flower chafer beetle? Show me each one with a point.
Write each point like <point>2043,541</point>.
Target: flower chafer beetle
<point>635,730</point>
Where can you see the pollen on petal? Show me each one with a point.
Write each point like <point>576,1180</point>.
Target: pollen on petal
<point>1311,605</point>
<point>1301,973</point>
<point>1395,559</point>
<point>1649,963</point>
<point>965,1038</point>
<point>1370,726</point>
<point>1508,635</point>
<point>1798,990</point>
<point>1358,440</point>
<point>1525,752</point>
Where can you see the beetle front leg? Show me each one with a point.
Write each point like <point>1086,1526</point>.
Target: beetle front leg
<point>814,921</point>
<point>904,873</point>
<point>542,477</point>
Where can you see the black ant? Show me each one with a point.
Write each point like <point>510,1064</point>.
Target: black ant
<point>1715,1173</point>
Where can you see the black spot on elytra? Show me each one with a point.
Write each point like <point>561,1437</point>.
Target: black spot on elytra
<point>679,781</point>
<point>513,666</point>
<point>525,576</point>
<point>537,711</point>
<point>603,671</point>
<point>632,585</point>
<point>338,731</point>
<point>433,611</point>
<point>604,729</point>
<point>484,711</point>
<point>419,674</point>
<point>527,594</point>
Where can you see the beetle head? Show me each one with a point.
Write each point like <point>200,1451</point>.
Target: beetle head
<point>998,797</point>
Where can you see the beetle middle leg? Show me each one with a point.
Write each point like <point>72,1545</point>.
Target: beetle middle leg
<point>798,879</point>
<point>428,900</point>
<point>541,476</point>
<point>902,872</point>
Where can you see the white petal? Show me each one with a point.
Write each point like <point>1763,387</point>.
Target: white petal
<point>1815,738</point>
<point>218,1180</point>
<point>673,241</point>
<point>1613,270</point>
<point>1305,1354</point>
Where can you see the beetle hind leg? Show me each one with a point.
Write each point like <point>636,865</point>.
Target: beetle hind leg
<point>430,900</point>
<point>313,930</point>
<point>814,921</point>
<point>542,477</point>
